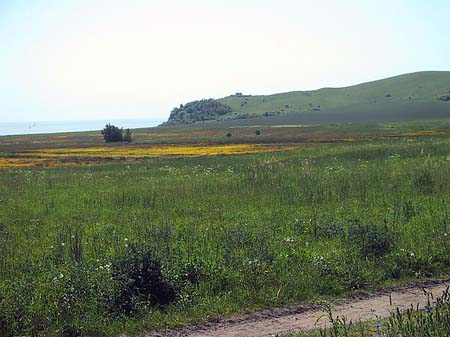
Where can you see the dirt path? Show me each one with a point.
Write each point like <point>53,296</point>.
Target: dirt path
<point>279,322</point>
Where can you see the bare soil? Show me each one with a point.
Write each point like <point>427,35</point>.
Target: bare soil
<point>280,322</point>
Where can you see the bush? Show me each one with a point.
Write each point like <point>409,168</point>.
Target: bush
<point>229,135</point>
<point>373,241</point>
<point>112,133</point>
<point>142,281</point>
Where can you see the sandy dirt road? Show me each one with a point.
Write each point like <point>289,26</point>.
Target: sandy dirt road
<point>280,322</point>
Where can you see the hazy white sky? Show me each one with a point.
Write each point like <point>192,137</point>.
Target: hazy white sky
<point>94,59</point>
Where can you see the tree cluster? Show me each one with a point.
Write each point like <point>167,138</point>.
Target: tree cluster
<point>202,110</point>
<point>112,133</point>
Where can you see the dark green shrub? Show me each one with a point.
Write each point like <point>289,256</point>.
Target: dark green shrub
<point>142,281</point>
<point>373,241</point>
<point>112,133</point>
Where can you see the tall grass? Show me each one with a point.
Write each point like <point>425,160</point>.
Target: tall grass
<point>222,234</point>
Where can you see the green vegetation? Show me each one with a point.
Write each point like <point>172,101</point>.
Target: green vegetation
<point>112,133</point>
<point>127,137</point>
<point>413,322</point>
<point>421,86</point>
<point>410,96</point>
<point>99,250</point>
<point>205,109</point>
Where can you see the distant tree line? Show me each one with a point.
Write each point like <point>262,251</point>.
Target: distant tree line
<point>112,133</point>
<point>196,111</point>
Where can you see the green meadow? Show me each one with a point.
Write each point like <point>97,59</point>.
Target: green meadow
<point>139,246</point>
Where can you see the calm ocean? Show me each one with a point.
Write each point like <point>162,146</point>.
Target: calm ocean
<point>22,128</point>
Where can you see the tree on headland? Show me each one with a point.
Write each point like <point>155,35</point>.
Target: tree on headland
<point>112,133</point>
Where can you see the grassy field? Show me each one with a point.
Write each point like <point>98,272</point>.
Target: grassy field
<point>156,240</point>
<point>86,148</point>
<point>215,134</point>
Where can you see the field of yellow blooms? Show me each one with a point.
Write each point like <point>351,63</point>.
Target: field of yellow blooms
<point>79,156</point>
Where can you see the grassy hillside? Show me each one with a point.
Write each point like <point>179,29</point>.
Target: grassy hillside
<point>380,112</point>
<point>422,86</point>
<point>419,92</point>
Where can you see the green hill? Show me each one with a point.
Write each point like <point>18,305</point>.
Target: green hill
<point>421,92</point>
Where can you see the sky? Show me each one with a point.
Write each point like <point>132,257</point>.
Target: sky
<point>95,59</point>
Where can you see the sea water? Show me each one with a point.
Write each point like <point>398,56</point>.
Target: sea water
<point>36,127</point>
